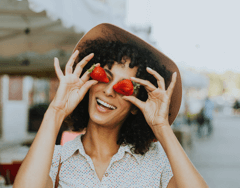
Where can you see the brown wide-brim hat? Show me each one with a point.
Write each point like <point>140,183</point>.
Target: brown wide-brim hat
<point>113,33</point>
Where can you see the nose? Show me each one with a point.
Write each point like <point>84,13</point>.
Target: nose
<point>109,91</point>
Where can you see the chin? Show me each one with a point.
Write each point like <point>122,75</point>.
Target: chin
<point>104,120</point>
<point>97,119</point>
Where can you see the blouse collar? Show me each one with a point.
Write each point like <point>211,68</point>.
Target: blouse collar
<point>72,146</point>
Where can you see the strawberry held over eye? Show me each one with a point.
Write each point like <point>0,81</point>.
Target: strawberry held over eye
<point>126,87</point>
<point>99,74</point>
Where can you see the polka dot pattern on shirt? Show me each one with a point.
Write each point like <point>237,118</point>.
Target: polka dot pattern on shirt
<point>125,169</point>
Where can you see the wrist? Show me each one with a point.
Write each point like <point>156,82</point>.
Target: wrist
<point>162,132</point>
<point>56,114</point>
<point>158,128</point>
<point>56,110</point>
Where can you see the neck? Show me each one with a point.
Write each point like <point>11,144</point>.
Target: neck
<point>100,141</point>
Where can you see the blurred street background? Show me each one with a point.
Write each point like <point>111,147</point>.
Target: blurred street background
<point>201,37</point>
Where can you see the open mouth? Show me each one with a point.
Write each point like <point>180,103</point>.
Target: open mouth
<point>106,105</point>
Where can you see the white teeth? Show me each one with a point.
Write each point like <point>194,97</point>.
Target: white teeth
<point>106,105</point>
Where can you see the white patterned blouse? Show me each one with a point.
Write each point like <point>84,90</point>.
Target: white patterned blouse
<point>126,169</point>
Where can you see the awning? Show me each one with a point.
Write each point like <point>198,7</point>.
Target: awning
<point>27,35</point>
<point>82,15</point>
<point>32,63</point>
<point>22,30</point>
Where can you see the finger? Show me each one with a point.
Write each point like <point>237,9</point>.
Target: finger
<point>134,100</point>
<point>86,76</point>
<point>58,70</point>
<point>172,84</point>
<point>160,79</point>
<point>68,68</point>
<point>82,63</point>
<point>148,85</point>
<point>86,87</point>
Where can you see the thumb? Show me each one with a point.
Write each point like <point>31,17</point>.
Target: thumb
<point>138,103</point>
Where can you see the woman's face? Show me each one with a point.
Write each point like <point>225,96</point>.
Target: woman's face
<point>107,107</point>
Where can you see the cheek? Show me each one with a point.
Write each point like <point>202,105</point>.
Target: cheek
<point>94,89</point>
<point>125,106</point>
<point>92,92</point>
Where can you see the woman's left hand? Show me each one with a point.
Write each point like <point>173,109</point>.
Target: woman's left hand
<point>156,107</point>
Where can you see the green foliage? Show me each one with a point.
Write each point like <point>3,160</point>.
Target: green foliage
<point>223,83</point>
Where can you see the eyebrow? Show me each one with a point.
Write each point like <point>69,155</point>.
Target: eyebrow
<point>110,73</point>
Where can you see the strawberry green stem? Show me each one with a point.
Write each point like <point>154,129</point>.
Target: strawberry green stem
<point>92,68</point>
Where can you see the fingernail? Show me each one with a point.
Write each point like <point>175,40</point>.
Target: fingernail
<point>91,54</point>
<point>76,51</point>
<point>149,68</point>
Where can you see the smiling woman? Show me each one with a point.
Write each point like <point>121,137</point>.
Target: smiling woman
<point>121,61</point>
<point>128,140</point>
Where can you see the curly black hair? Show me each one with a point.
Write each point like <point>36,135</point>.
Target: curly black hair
<point>134,131</point>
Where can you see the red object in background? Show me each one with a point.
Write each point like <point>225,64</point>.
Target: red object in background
<point>67,136</point>
<point>9,171</point>
<point>15,88</point>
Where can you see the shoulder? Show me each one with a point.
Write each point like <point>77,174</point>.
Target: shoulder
<point>156,155</point>
<point>65,151</point>
<point>55,162</point>
<point>155,163</point>
<point>156,150</point>
<point>56,154</point>
<point>162,163</point>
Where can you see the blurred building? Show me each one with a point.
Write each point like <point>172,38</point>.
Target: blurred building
<point>195,90</point>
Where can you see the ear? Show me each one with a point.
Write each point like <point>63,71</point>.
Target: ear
<point>134,110</point>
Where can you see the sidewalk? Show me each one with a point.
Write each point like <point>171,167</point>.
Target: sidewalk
<point>217,158</point>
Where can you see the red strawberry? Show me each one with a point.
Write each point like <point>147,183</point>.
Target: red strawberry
<point>126,87</point>
<point>99,74</point>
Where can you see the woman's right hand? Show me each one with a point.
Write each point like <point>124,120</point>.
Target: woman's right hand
<point>71,89</point>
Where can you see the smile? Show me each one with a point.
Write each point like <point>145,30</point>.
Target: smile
<point>100,102</point>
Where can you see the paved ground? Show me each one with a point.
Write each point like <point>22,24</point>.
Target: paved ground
<point>217,158</point>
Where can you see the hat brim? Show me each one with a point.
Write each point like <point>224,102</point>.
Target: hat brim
<point>113,33</point>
